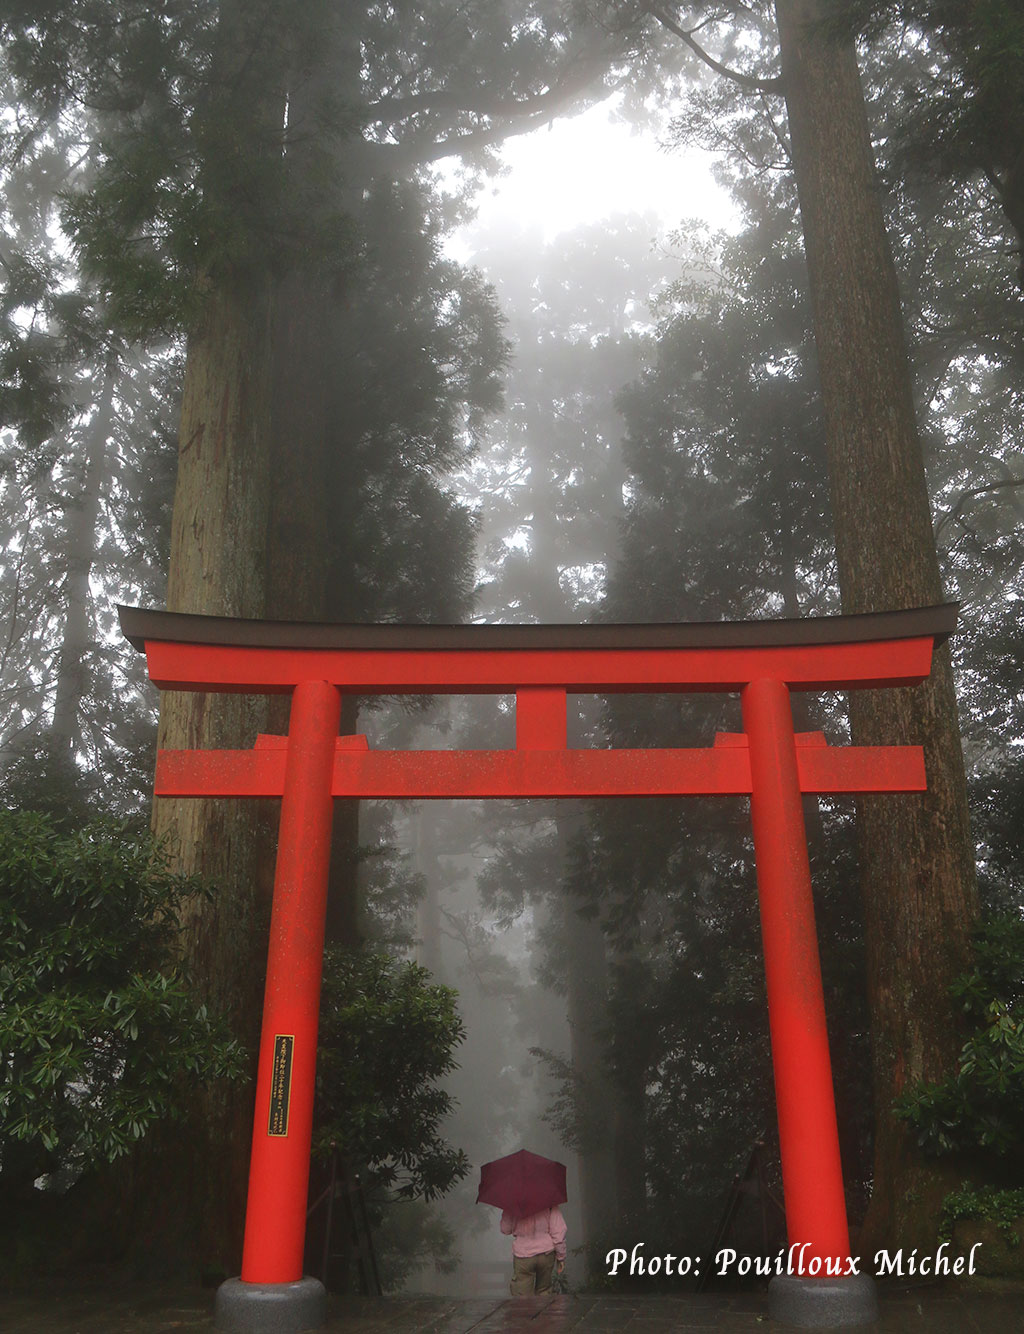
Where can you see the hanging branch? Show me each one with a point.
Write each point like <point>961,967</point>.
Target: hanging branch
<point>969,494</point>
<point>749,81</point>
<point>523,115</point>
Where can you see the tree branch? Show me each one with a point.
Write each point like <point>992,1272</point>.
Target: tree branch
<point>779,137</point>
<point>748,81</point>
<point>969,494</point>
<point>534,113</point>
<point>391,109</point>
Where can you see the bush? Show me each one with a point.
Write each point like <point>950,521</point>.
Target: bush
<point>386,1036</point>
<point>979,1111</point>
<point>985,1204</point>
<point>99,1035</point>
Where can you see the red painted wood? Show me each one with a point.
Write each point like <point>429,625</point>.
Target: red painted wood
<point>275,1223</point>
<point>741,739</point>
<point>248,670</point>
<point>541,722</point>
<point>267,741</point>
<point>409,775</point>
<point>808,1137</point>
<point>766,761</point>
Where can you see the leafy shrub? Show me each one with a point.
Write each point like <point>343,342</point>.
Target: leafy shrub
<point>979,1110</point>
<point>99,1035</point>
<point>986,1203</point>
<point>387,1034</point>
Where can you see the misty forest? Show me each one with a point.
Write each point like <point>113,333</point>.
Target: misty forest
<point>257,359</point>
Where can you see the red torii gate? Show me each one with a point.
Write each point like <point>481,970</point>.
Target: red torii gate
<point>761,660</point>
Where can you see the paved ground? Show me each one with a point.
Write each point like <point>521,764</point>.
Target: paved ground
<point>990,1307</point>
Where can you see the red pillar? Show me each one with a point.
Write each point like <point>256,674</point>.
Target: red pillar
<point>275,1222</point>
<point>808,1138</point>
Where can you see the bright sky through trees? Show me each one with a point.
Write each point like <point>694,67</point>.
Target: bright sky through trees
<point>584,168</point>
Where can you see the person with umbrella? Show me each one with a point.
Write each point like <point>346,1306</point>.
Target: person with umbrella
<point>528,1190</point>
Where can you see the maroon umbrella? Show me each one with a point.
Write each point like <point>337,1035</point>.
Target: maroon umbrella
<point>524,1183</point>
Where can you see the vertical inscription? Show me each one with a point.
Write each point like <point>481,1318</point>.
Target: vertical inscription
<point>281,1084</point>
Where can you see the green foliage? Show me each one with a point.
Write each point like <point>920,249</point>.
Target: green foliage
<point>99,1034</point>
<point>988,1204</point>
<point>386,1036</point>
<point>421,342</point>
<point>980,1109</point>
<point>196,172</point>
<point>967,98</point>
<point>34,779</point>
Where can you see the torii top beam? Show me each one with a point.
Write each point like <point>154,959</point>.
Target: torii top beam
<point>215,653</point>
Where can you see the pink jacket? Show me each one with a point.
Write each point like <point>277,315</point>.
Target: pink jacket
<point>536,1234</point>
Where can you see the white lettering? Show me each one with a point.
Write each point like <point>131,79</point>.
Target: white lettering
<point>616,1258</point>
<point>724,1259</point>
<point>636,1263</point>
<point>888,1264</point>
<point>939,1265</point>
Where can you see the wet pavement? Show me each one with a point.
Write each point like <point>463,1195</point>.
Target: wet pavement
<point>985,1307</point>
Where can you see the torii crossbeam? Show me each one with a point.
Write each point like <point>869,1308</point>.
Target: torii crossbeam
<point>762,661</point>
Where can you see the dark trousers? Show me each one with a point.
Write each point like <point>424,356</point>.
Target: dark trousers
<point>531,1273</point>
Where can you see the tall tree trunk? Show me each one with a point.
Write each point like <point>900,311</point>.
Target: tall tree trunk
<point>247,540</point>
<point>429,952</point>
<point>79,631</point>
<point>194,1186</point>
<point>587,1004</point>
<point>344,924</point>
<point>310,310</point>
<point>586,976</point>
<point>916,856</point>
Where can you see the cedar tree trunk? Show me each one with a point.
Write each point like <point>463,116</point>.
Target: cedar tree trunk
<point>916,856</point>
<point>73,670</point>
<point>587,1005</point>
<point>193,1184</point>
<point>248,539</point>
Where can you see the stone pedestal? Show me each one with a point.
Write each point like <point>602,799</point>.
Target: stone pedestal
<point>271,1308</point>
<point>823,1303</point>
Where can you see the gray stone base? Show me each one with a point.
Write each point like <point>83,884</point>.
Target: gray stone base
<point>271,1308</point>
<point>823,1303</point>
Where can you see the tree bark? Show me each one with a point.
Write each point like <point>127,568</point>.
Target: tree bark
<point>217,568</point>
<point>429,951</point>
<point>247,540</point>
<point>587,1005</point>
<point>79,632</point>
<point>916,856</point>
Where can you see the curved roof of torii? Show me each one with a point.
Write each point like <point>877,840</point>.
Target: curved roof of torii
<point>140,624</point>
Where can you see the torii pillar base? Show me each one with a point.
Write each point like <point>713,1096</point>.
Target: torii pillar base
<point>823,1303</point>
<point>271,1308</point>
